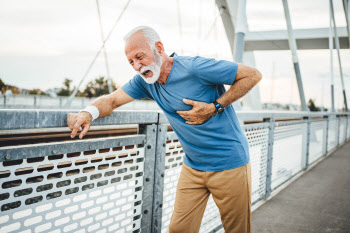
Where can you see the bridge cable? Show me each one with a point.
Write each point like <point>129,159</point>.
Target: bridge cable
<point>211,28</point>
<point>179,25</point>
<point>109,80</point>
<point>69,101</point>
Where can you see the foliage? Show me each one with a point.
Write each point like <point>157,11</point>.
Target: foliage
<point>94,88</point>
<point>33,92</point>
<point>2,86</point>
<point>66,90</point>
<point>15,90</point>
<point>312,106</point>
<point>36,91</point>
<point>98,87</point>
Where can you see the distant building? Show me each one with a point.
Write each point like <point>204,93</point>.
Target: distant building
<point>53,92</point>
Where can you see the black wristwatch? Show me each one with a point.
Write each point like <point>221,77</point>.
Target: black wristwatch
<point>218,107</point>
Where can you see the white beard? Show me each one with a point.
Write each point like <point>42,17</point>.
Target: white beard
<point>154,67</point>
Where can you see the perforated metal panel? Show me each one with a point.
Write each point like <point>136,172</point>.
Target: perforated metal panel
<point>332,133</point>
<point>317,136</point>
<point>211,218</point>
<point>289,150</point>
<point>86,191</point>
<point>342,130</point>
<point>257,136</point>
<point>173,165</point>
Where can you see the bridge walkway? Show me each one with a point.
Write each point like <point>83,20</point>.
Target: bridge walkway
<point>318,201</point>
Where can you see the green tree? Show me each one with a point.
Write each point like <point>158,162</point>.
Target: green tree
<point>312,106</point>
<point>2,86</point>
<point>66,90</point>
<point>36,91</point>
<point>98,87</point>
<point>33,92</point>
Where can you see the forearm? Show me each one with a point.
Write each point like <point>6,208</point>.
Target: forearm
<point>202,111</point>
<point>83,119</point>
<point>239,89</point>
<point>246,78</point>
<point>107,103</point>
<point>104,104</point>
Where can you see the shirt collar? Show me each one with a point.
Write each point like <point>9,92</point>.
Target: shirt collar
<point>173,55</point>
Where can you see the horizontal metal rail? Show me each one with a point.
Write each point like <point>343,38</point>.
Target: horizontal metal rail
<point>36,119</point>
<point>45,149</point>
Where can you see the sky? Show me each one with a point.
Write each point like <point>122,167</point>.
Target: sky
<point>44,42</point>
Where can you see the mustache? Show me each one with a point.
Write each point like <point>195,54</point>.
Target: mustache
<point>145,70</point>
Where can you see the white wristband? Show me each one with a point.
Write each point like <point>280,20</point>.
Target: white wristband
<point>93,111</point>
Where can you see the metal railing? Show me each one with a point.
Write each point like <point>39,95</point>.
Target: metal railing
<point>41,101</point>
<point>47,102</point>
<point>128,183</point>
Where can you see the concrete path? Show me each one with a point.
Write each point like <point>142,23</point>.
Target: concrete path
<point>319,201</point>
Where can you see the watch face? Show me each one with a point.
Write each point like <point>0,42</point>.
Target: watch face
<point>221,110</point>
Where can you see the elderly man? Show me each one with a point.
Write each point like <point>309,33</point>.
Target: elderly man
<point>190,91</point>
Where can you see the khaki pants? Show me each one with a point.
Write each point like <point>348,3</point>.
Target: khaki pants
<point>231,190</point>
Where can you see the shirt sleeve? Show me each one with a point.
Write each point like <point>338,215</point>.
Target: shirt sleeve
<point>136,89</point>
<point>212,72</point>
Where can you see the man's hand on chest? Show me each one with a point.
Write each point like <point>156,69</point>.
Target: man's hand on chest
<point>200,112</point>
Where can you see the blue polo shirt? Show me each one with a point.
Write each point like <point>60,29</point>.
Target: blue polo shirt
<point>217,144</point>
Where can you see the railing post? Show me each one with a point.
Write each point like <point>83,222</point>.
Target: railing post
<point>60,102</point>
<point>325,136</point>
<point>269,155</point>
<point>35,101</point>
<point>338,129</point>
<point>307,152</point>
<point>4,100</point>
<point>347,127</point>
<point>159,179</point>
<point>148,177</point>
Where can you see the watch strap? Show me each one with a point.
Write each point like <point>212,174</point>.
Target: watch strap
<point>217,106</point>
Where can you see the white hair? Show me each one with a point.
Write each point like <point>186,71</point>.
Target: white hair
<point>150,34</point>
